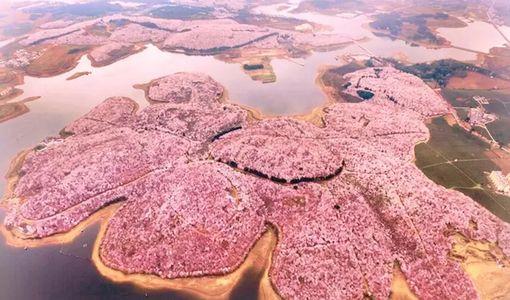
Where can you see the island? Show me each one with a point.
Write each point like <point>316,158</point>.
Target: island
<point>196,181</point>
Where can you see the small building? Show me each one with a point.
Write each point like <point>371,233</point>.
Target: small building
<point>305,27</point>
<point>478,117</point>
<point>481,100</point>
<point>6,92</point>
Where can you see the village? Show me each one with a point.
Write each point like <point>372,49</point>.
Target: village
<point>500,182</point>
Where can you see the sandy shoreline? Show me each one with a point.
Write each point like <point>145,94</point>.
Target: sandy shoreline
<point>212,287</point>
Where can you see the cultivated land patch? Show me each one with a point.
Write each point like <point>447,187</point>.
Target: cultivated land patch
<point>498,104</point>
<point>55,60</point>
<point>456,159</point>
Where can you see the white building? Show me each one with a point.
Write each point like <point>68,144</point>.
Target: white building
<point>5,92</point>
<point>500,182</point>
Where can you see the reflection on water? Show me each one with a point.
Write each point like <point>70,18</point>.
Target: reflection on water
<point>62,272</point>
<point>248,289</point>
<point>478,36</point>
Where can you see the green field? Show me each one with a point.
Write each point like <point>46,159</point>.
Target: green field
<point>456,159</point>
<point>499,104</point>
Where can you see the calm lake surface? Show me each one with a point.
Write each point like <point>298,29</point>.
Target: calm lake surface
<point>478,36</point>
<point>65,271</point>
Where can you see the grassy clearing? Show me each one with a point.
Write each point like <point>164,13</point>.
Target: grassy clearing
<point>458,98</point>
<point>426,156</point>
<point>482,131</point>
<point>456,159</point>
<point>497,204</point>
<point>499,104</point>
<point>500,130</point>
<point>453,142</point>
<point>448,176</point>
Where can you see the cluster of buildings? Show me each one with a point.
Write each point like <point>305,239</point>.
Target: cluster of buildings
<point>21,58</point>
<point>481,100</point>
<point>6,91</point>
<point>479,117</point>
<point>500,182</point>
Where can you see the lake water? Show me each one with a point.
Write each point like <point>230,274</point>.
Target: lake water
<point>62,101</point>
<point>478,36</point>
<point>62,272</point>
<point>505,30</point>
<point>356,27</point>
